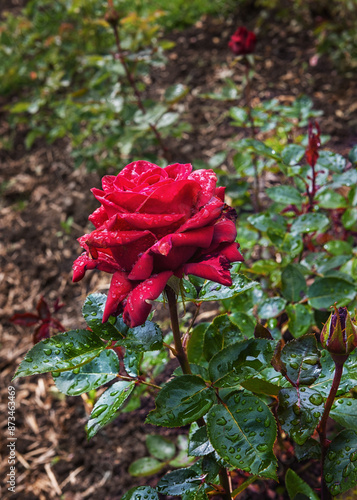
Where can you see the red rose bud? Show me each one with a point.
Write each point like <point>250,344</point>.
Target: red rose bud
<point>339,335</point>
<point>154,223</point>
<point>242,42</point>
<point>312,151</point>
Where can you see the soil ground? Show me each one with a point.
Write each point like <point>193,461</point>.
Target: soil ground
<point>40,190</point>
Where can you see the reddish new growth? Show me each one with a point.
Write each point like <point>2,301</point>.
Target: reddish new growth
<point>242,42</point>
<point>46,323</point>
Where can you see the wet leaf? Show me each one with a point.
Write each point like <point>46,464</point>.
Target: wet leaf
<point>141,493</point>
<point>293,284</point>
<point>145,466</point>
<point>344,411</point>
<point>220,333</point>
<point>160,447</point>
<point>324,292</point>
<point>295,486</point>
<point>301,359</point>
<point>340,467</point>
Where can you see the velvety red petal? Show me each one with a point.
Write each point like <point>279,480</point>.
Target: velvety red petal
<point>84,262</point>
<point>136,168</point>
<point>176,197</point>
<point>137,308</point>
<point>124,201</point>
<point>143,267</point>
<point>231,253</point>
<point>151,221</point>
<point>179,171</point>
<point>98,217</point>
<point>220,192</point>
<point>207,179</point>
<point>109,239</point>
<point>207,215</point>
<point>198,238</point>
<point>214,269</point>
<point>224,232</point>
<point>120,287</point>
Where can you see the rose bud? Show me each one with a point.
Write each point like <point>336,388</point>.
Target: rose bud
<point>242,42</point>
<point>154,223</point>
<point>339,335</point>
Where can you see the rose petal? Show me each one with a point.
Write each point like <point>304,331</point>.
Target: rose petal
<point>198,238</point>
<point>220,192</point>
<point>98,217</point>
<point>137,308</point>
<point>85,262</point>
<point>208,214</point>
<point>179,171</point>
<point>120,287</point>
<point>207,179</point>
<point>214,269</point>
<point>176,197</point>
<point>136,168</point>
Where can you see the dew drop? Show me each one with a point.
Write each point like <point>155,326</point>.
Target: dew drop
<point>48,352</point>
<point>260,408</point>
<point>294,365</point>
<point>28,360</point>
<point>56,374</point>
<point>76,371</point>
<point>316,399</point>
<point>262,447</point>
<point>98,411</point>
<point>221,421</point>
<point>328,478</point>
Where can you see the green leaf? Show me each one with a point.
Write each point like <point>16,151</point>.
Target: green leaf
<point>302,360</point>
<point>146,337</point>
<point>181,401</point>
<point>219,334</point>
<point>199,444</point>
<point>324,292</point>
<point>331,199</point>
<point>301,318</point>
<point>107,407</point>
<point>263,222</point>
<point>310,449</point>
<point>340,466</point>
<point>244,322</point>
<point>214,291</point>
<point>344,412</point>
<point>160,447</point>
<point>338,247</point>
<point>260,386</point>
<point>239,115</point>
<point>295,486</point>
<point>240,361</point>
<point>141,493</point>
<point>132,360</point>
<point>180,481</point>
<point>271,307</point>
<point>299,412</point>
<point>146,466</point>
<point>287,195</point>
<point>292,154</point>
<point>349,219</point>
<point>175,93</point>
<point>292,244</point>
<point>97,372</point>
<point>331,161</point>
<point>293,283</point>
<point>352,155</point>
<point>309,223</point>
<point>61,352</point>
<point>348,379</point>
<point>243,431</point>
<point>93,309</point>
<point>195,344</point>
<point>348,178</point>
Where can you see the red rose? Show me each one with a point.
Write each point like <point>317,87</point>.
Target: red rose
<point>154,223</point>
<point>242,42</point>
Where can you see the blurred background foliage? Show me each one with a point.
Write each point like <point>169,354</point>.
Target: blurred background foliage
<point>60,75</point>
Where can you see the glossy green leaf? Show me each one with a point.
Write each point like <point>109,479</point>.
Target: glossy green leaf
<point>244,322</point>
<point>175,93</point>
<point>141,493</point>
<point>146,337</point>
<point>243,431</point>
<point>295,486</point>
<point>287,195</point>
<point>301,359</point>
<point>99,371</point>
<point>271,307</point>
<point>338,247</point>
<point>61,352</point>
<point>180,481</point>
<point>332,161</point>
<point>309,223</point>
<point>348,379</point>
<point>352,155</point>
<point>199,444</point>
<point>344,411</point>
<point>324,292</point>
<point>146,466</point>
<point>260,386</point>
<point>310,449</point>
<point>331,199</point>
<point>160,447</point>
<point>293,284</point>
<point>349,219</point>
<point>108,405</point>
<point>292,244</point>
<point>240,116</point>
<point>299,412</point>
<point>132,360</point>
<point>213,291</point>
<point>340,466</point>
<point>195,344</point>
<point>220,333</point>
<point>240,361</point>
<point>292,154</point>
<point>263,222</point>
<point>301,319</point>
<point>348,178</point>
<point>93,309</point>
<point>181,401</point>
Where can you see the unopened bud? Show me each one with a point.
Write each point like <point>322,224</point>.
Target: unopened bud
<point>112,16</point>
<point>339,335</point>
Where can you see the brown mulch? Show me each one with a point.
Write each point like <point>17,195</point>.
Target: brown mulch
<point>40,191</point>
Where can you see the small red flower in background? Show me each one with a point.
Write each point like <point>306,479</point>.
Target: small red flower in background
<point>312,151</point>
<point>43,318</point>
<point>242,42</point>
<point>154,223</point>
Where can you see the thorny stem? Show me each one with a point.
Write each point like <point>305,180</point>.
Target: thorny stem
<point>311,194</point>
<point>324,443</point>
<point>183,360</point>
<point>253,134</point>
<point>139,101</point>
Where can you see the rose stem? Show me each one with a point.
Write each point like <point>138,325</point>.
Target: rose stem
<point>251,120</point>
<point>183,360</point>
<point>132,83</point>
<point>324,443</point>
